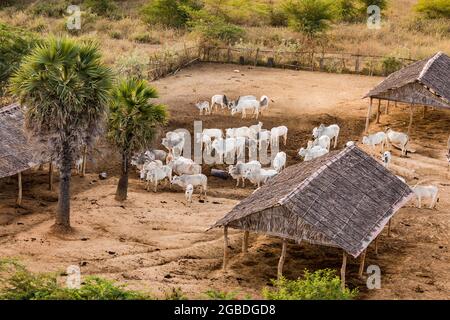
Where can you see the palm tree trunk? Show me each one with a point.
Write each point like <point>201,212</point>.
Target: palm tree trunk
<point>62,222</point>
<point>122,187</point>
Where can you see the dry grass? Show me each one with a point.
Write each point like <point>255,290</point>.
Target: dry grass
<point>403,34</point>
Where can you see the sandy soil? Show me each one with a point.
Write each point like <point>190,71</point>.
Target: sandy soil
<point>154,242</point>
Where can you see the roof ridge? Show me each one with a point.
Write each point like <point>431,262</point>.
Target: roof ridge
<point>9,108</point>
<point>305,182</point>
<point>429,64</point>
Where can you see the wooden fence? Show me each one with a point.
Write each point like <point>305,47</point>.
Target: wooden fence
<point>169,62</point>
<point>304,60</point>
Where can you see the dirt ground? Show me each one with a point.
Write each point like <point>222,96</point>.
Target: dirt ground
<point>154,242</point>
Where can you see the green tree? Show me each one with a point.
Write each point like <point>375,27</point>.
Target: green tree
<point>169,13</point>
<point>310,17</point>
<point>365,4</point>
<point>105,8</point>
<point>347,10</point>
<point>15,44</point>
<point>65,88</point>
<point>133,119</point>
<point>434,9</point>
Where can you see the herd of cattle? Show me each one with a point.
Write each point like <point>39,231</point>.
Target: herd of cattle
<point>158,165</point>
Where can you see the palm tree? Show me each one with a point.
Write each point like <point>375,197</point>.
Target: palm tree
<point>65,89</point>
<point>133,119</point>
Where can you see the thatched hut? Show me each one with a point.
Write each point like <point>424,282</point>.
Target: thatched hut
<point>343,199</point>
<point>17,153</point>
<point>424,83</point>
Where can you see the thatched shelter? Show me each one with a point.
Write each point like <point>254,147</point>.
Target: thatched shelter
<point>424,83</point>
<point>17,153</point>
<point>343,199</point>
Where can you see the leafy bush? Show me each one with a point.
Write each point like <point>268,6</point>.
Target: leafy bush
<point>320,285</point>
<point>15,43</point>
<point>51,8</point>
<point>221,295</point>
<point>145,38</point>
<point>175,294</point>
<point>105,8</point>
<point>391,64</point>
<point>21,284</point>
<point>309,16</point>
<point>213,29</point>
<point>134,65</point>
<point>169,13</point>
<point>433,9</point>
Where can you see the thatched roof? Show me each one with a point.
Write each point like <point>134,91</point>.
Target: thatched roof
<point>16,152</point>
<point>424,82</point>
<point>343,199</point>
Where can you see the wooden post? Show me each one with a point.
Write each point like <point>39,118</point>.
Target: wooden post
<point>411,114</point>
<point>387,107</point>
<point>389,227</point>
<point>19,182</point>
<point>225,248</point>
<point>245,242</point>
<point>229,54</point>
<point>424,112</point>
<point>361,264</point>
<point>83,165</point>
<point>282,258</point>
<point>343,269</point>
<point>378,111</point>
<point>369,111</point>
<point>50,176</point>
<point>376,245</point>
<point>256,57</point>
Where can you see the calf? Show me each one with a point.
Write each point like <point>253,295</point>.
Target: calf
<point>188,193</point>
<point>194,179</point>
<point>203,107</point>
<point>386,158</point>
<point>279,162</point>
<point>219,100</point>
<point>331,131</point>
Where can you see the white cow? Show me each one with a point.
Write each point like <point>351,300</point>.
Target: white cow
<point>379,138</point>
<point>182,165</point>
<point>157,174</point>
<point>331,131</point>
<point>386,158</point>
<point>258,177</point>
<point>312,153</point>
<point>431,192</point>
<point>193,179</point>
<point>276,133</point>
<point>323,141</point>
<point>245,106</point>
<point>399,138</point>
<point>203,107</point>
<point>237,171</point>
<point>279,162</point>
<point>219,100</point>
<point>213,133</point>
<point>188,193</point>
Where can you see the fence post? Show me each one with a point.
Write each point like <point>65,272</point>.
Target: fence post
<point>256,57</point>
<point>270,62</point>
<point>241,60</point>
<point>357,64</point>
<point>312,61</point>
<point>229,54</point>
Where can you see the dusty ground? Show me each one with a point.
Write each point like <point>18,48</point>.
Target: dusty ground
<point>154,242</point>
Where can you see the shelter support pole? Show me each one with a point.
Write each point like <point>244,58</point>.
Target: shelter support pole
<point>361,264</point>
<point>369,111</point>
<point>50,176</point>
<point>225,248</point>
<point>411,114</point>
<point>245,242</point>
<point>387,107</point>
<point>376,245</point>
<point>389,227</point>
<point>282,258</point>
<point>83,166</point>
<point>343,269</point>
<point>378,111</point>
<point>19,182</point>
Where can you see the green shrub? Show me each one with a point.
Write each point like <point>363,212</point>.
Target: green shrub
<point>51,8</point>
<point>145,38</point>
<point>309,16</point>
<point>169,13</point>
<point>277,16</point>
<point>433,9</point>
<point>134,65</point>
<point>347,10</point>
<point>320,285</point>
<point>221,295</point>
<point>213,29</point>
<point>391,64</point>
<point>106,8</point>
<point>17,283</point>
